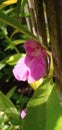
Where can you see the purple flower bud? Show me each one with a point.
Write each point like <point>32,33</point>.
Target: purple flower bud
<point>23,113</point>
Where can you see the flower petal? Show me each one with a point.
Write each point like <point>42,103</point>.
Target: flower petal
<point>23,113</point>
<point>37,69</point>
<point>32,47</point>
<point>20,70</point>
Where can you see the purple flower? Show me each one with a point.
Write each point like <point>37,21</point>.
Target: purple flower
<point>23,113</point>
<point>32,67</point>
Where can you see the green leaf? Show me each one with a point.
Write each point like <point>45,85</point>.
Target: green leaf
<point>13,59</point>
<point>6,3</point>
<point>14,116</point>
<point>10,21</point>
<point>13,43</point>
<point>11,91</point>
<point>3,62</point>
<point>5,127</point>
<point>8,107</point>
<point>23,2</point>
<point>5,102</point>
<point>2,65</point>
<point>18,7</point>
<point>44,111</point>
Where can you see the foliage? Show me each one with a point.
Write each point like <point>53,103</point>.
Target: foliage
<point>44,109</point>
<point>41,109</point>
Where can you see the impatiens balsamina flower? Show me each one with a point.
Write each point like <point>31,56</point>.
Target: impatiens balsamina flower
<point>34,65</point>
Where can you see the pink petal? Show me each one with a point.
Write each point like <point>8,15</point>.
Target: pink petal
<point>23,113</point>
<point>32,47</point>
<point>30,68</point>
<point>20,70</point>
<point>37,68</point>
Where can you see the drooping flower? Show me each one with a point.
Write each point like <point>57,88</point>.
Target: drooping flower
<point>31,67</point>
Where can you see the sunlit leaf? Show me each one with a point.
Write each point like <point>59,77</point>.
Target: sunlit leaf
<point>13,59</point>
<point>44,111</point>
<point>6,3</point>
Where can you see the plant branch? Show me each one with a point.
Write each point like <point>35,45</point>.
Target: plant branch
<point>55,29</point>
